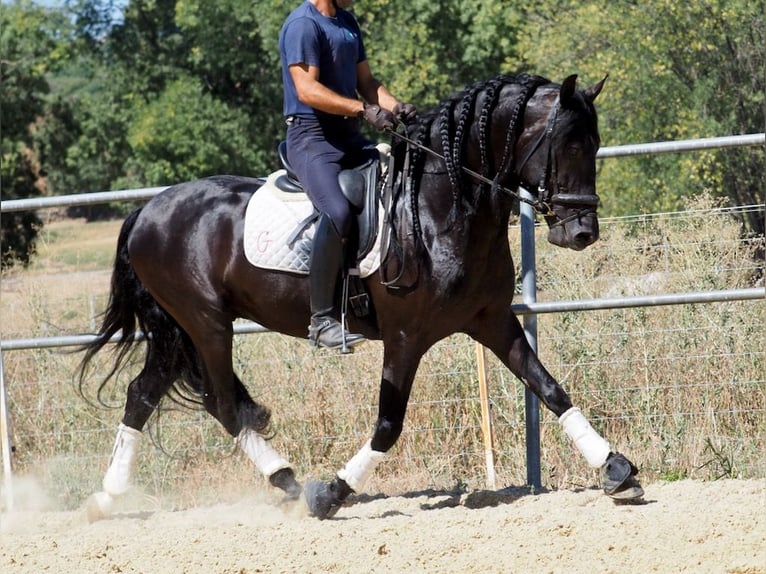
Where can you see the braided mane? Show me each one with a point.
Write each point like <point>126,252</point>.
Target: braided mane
<point>454,118</point>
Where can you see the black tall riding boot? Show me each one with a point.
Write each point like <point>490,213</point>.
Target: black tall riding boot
<point>326,264</point>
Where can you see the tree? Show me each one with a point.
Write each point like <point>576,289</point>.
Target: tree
<point>164,98</point>
<point>184,134</point>
<point>676,71</point>
<point>174,89</point>
<point>425,50</point>
<point>179,90</point>
<point>29,48</point>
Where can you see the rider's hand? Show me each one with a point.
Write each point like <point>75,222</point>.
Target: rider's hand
<point>378,117</point>
<point>405,113</point>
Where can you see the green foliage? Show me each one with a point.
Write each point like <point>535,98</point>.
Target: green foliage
<point>676,71</point>
<point>29,48</point>
<point>424,50</point>
<point>178,89</point>
<point>184,134</point>
<point>18,231</point>
<point>147,48</point>
<point>673,475</point>
<point>720,461</point>
<point>174,91</point>
<point>26,43</point>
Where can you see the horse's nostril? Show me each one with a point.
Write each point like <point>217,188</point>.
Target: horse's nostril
<point>586,238</point>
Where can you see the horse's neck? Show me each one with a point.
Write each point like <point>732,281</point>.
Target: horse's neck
<point>458,222</point>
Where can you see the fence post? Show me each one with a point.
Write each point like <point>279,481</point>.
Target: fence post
<point>5,440</point>
<point>529,295</point>
<point>486,415</point>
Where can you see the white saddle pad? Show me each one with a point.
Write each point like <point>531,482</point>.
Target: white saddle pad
<point>271,218</point>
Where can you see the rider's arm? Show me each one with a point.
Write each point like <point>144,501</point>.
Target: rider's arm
<point>371,89</point>
<point>314,94</point>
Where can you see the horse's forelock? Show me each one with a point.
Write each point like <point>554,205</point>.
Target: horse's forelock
<point>582,114</point>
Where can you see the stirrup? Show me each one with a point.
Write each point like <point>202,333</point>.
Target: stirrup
<point>326,332</point>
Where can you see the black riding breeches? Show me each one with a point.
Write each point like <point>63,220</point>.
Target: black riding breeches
<point>317,151</point>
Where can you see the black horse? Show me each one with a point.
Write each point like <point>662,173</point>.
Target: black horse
<point>181,277</point>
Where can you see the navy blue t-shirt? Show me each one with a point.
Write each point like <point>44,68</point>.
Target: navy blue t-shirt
<point>334,45</point>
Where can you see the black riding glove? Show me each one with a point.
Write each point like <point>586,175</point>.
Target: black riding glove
<point>378,117</point>
<point>405,113</point>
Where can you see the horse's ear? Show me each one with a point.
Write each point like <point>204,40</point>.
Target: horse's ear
<point>567,89</point>
<point>595,89</point>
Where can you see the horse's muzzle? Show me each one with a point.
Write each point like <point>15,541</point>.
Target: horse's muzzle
<point>575,233</point>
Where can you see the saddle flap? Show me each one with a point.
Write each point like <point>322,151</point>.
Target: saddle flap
<point>352,185</point>
<point>279,231</point>
<point>360,186</point>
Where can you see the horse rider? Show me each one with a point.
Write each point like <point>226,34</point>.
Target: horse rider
<point>324,67</point>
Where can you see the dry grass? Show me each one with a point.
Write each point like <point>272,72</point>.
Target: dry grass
<point>679,389</point>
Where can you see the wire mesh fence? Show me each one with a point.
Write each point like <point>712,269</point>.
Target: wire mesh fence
<point>681,389</point>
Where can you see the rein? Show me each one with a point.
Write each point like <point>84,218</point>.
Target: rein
<point>545,199</point>
<point>534,203</point>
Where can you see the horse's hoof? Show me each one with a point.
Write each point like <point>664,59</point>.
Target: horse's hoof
<point>629,491</point>
<point>99,506</point>
<point>284,479</point>
<point>321,499</point>
<point>618,478</point>
<point>293,493</point>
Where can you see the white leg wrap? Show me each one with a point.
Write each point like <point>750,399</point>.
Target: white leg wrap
<point>117,478</point>
<point>99,506</point>
<point>592,445</point>
<point>266,459</point>
<point>361,466</point>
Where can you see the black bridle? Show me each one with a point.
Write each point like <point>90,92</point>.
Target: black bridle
<point>546,198</point>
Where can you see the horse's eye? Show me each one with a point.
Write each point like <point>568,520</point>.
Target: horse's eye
<point>573,149</point>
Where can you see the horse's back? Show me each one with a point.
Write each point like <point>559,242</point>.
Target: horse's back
<point>191,229</point>
<point>217,194</point>
<point>187,248</point>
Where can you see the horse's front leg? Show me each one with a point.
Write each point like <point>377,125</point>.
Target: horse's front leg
<point>399,368</point>
<point>504,336</point>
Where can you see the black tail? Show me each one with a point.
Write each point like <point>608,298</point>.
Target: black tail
<point>134,313</point>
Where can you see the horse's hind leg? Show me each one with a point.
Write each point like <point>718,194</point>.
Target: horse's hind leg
<point>144,394</point>
<point>250,440</point>
<point>226,398</point>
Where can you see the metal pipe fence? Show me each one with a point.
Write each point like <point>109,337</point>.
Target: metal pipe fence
<point>529,307</point>
<point>98,197</point>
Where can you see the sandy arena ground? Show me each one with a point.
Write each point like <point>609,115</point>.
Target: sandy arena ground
<point>686,526</point>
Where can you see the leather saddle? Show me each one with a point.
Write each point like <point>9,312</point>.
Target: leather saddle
<point>360,186</point>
